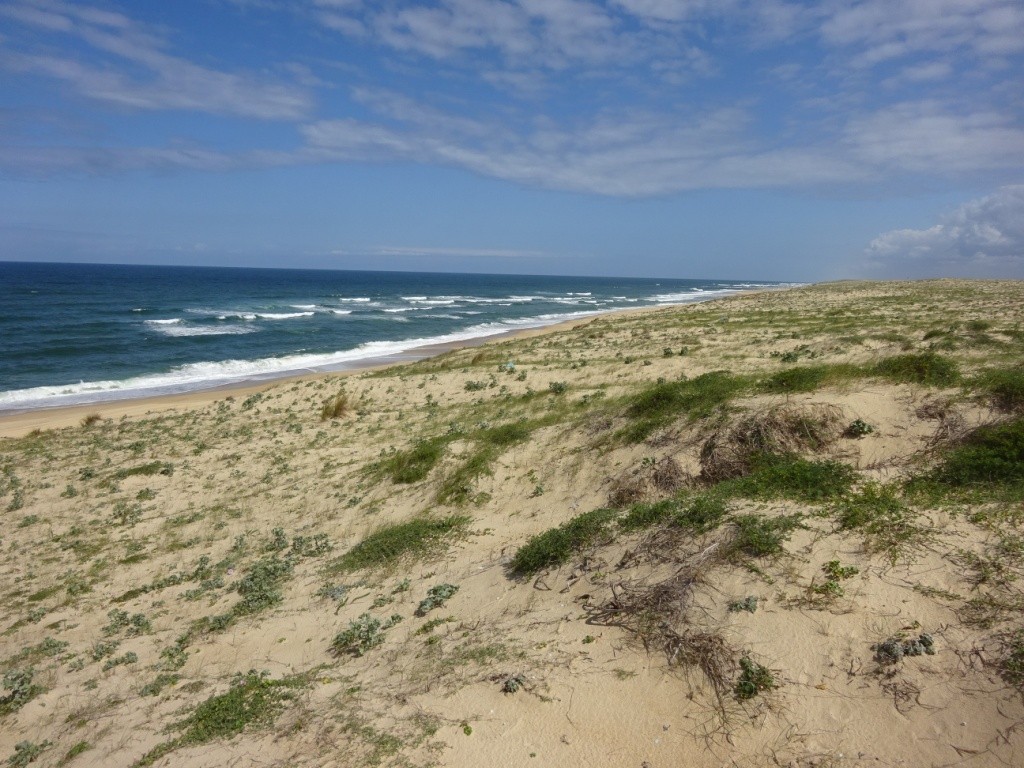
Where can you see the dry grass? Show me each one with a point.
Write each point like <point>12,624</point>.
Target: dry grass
<point>780,429</point>
<point>657,615</point>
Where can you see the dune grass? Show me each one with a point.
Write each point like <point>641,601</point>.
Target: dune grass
<point>414,539</point>
<point>661,404</point>
<point>880,514</point>
<point>556,545</point>
<point>413,465</point>
<point>1003,386</point>
<point>926,368</point>
<point>788,476</point>
<point>808,378</point>
<point>698,513</point>
<point>252,701</point>
<point>989,459</point>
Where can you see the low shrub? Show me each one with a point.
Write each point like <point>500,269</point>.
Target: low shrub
<point>754,679</point>
<point>335,408</point>
<point>881,515</point>
<point>362,635</point>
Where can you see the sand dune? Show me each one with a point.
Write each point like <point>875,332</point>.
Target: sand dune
<point>774,529</point>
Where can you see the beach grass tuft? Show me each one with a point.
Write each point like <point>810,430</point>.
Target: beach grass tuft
<point>659,405</point>
<point>556,545</point>
<point>928,368</point>
<point>418,538</point>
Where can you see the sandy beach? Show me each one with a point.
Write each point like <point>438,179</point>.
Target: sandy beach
<point>775,529</point>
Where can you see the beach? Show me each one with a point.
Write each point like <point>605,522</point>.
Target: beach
<point>737,532</point>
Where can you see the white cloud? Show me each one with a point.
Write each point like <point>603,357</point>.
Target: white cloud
<point>882,30</point>
<point>984,236</point>
<point>167,82</point>
<point>929,137</point>
<point>633,155</point>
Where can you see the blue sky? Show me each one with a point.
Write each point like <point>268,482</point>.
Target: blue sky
<point>769,139</point>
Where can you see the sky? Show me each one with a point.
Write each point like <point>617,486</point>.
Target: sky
<point>717,139</point>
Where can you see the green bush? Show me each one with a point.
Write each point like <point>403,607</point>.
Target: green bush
<point>362,634</point>
<point>437,596</point>
<point>335,408</point>
<point>253,700</point>
<point>642,516</point>
<point>881,515</point>
<point>555,546</point>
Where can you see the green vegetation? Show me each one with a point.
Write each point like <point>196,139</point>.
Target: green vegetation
<point>1004,388</point>
<point>748,605</point>
<point>260,588</point>
<point>362,635</point>
<point>491,442</point>
<point>699,513</point>
<point>808,378</point>
<point>22,690</point>
<point>990,456</point>
<point>437,596</point>
<point>415,539</point>
<point>1011,666</point>
<point>888,524</point>
<point>834,572</point>
<point>754,679</point>
<point>926,368</point>
<point>142,470</point>
<point>555,546</point>
<point>758,536</point>
<point>76,750</point>
<point>413,465</point>
<point>788,476</point>
<point>663,403</point>
<point>26,752</point>
<point>252,701</point>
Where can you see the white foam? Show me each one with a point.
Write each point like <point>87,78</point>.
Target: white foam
<point>207,374</point>
<point>283,315</point>
<point>203,330</point>
<point>341,311</point>
<point>303,306</point>
<point>170,321</point>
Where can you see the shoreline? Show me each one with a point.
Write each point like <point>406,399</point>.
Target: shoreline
<point>16,423</point>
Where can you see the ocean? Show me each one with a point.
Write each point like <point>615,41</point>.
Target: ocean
<point>84,333</point>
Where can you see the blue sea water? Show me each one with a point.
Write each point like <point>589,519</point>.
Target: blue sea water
<point>79,333</point>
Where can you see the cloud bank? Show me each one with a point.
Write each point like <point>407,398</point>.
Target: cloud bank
<point>981,237</point>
